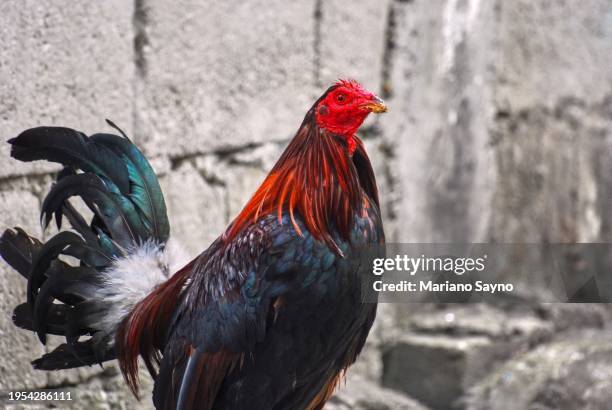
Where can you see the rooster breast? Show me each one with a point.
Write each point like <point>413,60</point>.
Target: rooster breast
<point>284,305</point>
<point>316,330</point>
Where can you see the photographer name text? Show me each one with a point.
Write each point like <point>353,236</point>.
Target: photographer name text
<point>409,265</point>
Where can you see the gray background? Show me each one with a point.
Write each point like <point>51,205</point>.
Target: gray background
<point>500,128</point>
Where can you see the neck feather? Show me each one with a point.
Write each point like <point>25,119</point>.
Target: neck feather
<point>317,178</point>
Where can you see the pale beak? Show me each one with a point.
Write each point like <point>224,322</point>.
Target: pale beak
<point>376,105</point>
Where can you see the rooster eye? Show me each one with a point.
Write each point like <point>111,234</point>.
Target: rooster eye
<point>340,97</point>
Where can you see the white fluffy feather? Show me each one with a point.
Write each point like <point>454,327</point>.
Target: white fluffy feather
<point>132,278</point>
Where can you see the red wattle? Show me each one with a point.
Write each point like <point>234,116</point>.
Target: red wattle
<point>352,144</point>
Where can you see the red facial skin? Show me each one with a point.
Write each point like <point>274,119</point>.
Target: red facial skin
<point>344,109</point>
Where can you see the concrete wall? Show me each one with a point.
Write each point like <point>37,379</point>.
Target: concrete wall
<point>500,126</point>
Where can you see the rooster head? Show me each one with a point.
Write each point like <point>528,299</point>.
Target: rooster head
<point>344,107</point>
<point>324,172</point>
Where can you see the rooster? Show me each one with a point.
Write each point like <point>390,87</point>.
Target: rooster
<point>268,317</point>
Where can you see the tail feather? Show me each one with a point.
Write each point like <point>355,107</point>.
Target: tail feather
<point>69,285</point>
<point>116,212</point>
<point>56,318</point>
<point>43,258</point>
<point>70,148</point>
<point>69,357</point>
<point>77,222</point>
<point>145,190</point>
<point>121,251</point>
<point>18,250</point>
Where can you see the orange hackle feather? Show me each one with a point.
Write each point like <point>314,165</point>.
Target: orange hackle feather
<point>315,178</point>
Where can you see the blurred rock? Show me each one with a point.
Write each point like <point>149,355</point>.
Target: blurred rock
<point>449,349</point>
<point>360,394</point>
<point>574,371</point>
<point>566,316</point>
<point>433,369</point>
<point>474,319</point>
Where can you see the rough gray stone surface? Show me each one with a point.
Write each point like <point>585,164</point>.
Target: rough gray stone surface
<point>196,208</point>
<point>221,75</point>
<point>63,63</point>
<point>500,128</point>
<point>552,121</point>
<point>18,208</point>
<point>358,393</point>
<point>435,366</point>
<point>574,372</point>
<point>440,352</point>
<point>550,51</point>
<point>344,33</point>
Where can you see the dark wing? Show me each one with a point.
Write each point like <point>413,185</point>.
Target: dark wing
<point>225,312</point>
